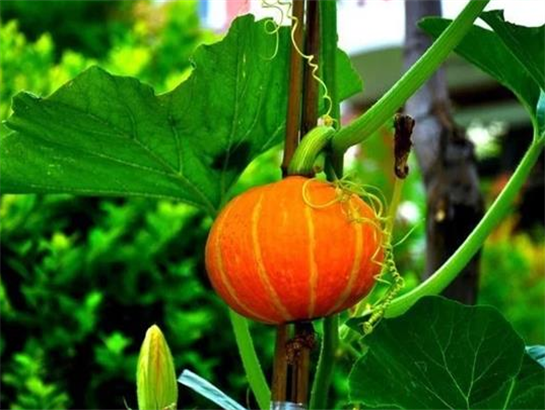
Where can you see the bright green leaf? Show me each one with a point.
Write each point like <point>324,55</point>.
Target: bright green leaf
<point>515,69</point>
<point>348,80</point>
<point>107,135</point>
<point>527,44</point>
<point>444,355</point>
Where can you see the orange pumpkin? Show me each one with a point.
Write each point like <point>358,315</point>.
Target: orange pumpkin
<point>292,251</point>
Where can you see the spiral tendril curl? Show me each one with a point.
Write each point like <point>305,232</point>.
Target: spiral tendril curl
<point>278,5</point>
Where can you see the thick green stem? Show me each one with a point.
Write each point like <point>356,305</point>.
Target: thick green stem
<point>306,153</point>
<point>454,265</point>
<point>418,74</point>
<point>324,370</point>
<point>250,362</point>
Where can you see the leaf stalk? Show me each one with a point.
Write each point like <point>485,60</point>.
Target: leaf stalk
<point>454,265</point>
<point>382,111</point>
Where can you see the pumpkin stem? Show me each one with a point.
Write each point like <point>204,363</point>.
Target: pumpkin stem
<point>308,150</point>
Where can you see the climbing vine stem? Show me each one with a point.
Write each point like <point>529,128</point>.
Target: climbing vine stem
<point>454,265</point>
<point>384,109</point>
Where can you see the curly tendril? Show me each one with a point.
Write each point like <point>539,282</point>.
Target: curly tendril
<point>277,5</point>
<point>271,27</point>
<point>389,275</point>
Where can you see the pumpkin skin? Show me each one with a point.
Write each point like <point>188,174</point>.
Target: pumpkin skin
<point>276,259</point>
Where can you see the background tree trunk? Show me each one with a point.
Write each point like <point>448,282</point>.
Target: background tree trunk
<point>446,158</point>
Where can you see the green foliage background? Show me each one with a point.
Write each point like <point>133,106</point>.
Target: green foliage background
<point>83,278</point>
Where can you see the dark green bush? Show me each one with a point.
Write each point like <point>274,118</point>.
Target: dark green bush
<point>87,26</point>
<point>82,281</point>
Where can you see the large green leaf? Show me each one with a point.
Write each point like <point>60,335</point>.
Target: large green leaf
<point>101,134</point>
<point>444,355</point>
<point>527,44</point>
<point>512,54</point>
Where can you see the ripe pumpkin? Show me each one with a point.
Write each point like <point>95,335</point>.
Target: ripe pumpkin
<point>290,251</point>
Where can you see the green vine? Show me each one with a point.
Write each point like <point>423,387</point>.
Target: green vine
<point>454,265</point>
<point>384,109</point>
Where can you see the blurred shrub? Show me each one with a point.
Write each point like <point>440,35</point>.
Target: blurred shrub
<point>162,41</point>
<point>31,66</point>
<point>157,49</point>
<point>88,26</point>
<point>26,376</point>
<point>84,278</point>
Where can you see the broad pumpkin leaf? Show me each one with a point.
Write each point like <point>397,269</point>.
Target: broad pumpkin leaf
<point>101,134</point>
<point>512,54</point>
<point>444,355</point>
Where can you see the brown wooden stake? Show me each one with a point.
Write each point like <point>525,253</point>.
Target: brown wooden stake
<point>279,386</point>
<point>295,89</point>
<point>292,356</point>
<point>280,366</point>
<point>310,85</point>
<point>299,348</point>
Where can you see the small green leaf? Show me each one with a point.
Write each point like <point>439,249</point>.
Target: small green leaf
<point>348,80</point>
<point>444,355</point>
<point>101,134</point>
<point>517,62</point>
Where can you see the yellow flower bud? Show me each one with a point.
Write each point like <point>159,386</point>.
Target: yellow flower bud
<point>156,384</point>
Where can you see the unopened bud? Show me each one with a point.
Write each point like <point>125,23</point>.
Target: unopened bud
<point>156,386</point>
